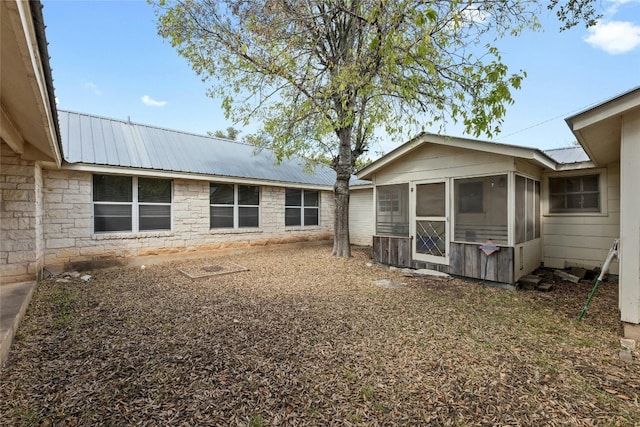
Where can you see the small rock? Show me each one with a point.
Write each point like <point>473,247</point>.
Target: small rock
<point>62,280</point>
<point>369,264</point>
<point>628,344</point>
<point>73,274</point>
<point>86,277</point>
<point>431,273</point>
<point>626,355</point>
<point>386,283</point>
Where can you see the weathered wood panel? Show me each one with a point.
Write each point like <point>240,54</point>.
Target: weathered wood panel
<point>467,260</point>
<point>394,251</point>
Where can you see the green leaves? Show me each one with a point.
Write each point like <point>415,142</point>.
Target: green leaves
<point>309,70</point>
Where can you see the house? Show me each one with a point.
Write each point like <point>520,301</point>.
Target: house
<point>126,190</point>
<point>496,212</point>
<point>610,134</point>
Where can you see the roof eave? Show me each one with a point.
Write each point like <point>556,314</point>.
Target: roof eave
<point>125,170</point>
<point>526,153</point>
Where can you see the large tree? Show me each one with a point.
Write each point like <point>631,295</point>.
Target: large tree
<point>323,75</point>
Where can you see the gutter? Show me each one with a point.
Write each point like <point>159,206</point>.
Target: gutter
<point>38,24</point>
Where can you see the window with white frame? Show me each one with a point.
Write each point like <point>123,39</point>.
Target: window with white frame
<point>574,194</point>
<point>234,206</point>
<point>131,204</point>
<point>302,207</point>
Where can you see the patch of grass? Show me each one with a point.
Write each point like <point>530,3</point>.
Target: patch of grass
<point>30,417</point>
<point>62,304</point>
<point>354,418</point>
<point>350,375</point>
<point>257,421</point>
<point>368,392</point>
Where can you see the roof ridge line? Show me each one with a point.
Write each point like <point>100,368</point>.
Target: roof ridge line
<point>128,122</point>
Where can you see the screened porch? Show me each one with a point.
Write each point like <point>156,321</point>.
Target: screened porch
<point>442,223</point>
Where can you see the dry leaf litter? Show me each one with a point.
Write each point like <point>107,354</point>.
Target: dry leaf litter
<point>303,338</point>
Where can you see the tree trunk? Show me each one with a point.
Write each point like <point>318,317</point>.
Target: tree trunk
<point>341,244</point>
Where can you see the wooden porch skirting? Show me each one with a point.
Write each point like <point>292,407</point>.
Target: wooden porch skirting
<point>465,259</point>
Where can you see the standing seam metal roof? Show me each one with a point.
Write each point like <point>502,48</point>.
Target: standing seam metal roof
<point>97,140</point>
<point>568,155</point>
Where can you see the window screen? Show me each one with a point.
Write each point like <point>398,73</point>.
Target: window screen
<point>480,211</point>
<point>392,210</point>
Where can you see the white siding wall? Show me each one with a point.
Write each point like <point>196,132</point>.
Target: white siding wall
<point>361,217</point>
<point>437,161</point>
<point>582,240</point>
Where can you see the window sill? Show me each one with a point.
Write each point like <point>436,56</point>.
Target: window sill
<point>222,231</point>
<point>119,235</point>
<point>570,214</point>
<point>302,228</point>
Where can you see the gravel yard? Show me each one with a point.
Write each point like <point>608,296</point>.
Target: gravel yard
<point>303,338</point>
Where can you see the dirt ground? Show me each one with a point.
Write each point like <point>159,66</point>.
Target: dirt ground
<point>303,338</point>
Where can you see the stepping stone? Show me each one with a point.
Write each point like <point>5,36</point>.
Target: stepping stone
<point>545,287</point>
<point>566,276</point>
<point>529,282</point>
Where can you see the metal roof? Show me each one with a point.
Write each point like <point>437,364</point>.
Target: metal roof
<point>94,140</point>
<point>568,155</point>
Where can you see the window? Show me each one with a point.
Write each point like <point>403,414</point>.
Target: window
<point>527,209</point>
<point>125,203</point>
<point>392,210</point>
<point>302,207</point>
<point>574,194</point>
<point>234,206</point>
<point>480,210</point>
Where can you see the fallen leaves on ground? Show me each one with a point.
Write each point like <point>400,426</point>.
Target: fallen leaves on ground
<point>303,338</point>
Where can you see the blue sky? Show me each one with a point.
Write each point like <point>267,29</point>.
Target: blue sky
<point>108,60</point>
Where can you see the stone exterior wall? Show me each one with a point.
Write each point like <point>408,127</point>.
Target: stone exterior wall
<point>18,217</point>
<point>71,243</point>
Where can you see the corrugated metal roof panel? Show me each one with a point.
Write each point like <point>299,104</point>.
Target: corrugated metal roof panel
<point>568,155</point>
<point>103,141</point>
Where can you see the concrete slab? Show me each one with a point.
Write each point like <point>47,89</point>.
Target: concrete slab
<point>14,300</point>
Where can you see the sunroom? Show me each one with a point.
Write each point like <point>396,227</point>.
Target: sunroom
<point>465,207</point>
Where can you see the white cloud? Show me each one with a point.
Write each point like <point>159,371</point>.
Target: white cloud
<point>614,37</point>
<point>614,5</point>
<point>147,100</point>
<point>93,88</point>
<point>471,15</point>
